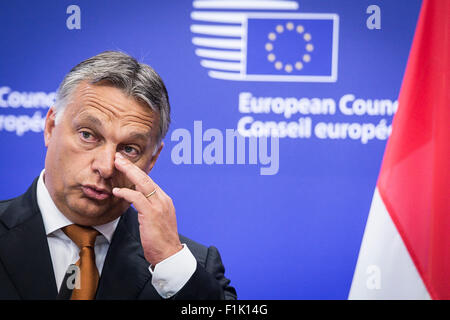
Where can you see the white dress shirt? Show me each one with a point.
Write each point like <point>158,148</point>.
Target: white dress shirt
<point>167,277</point>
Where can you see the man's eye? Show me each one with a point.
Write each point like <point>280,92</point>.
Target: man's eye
<point>130,151</point>
<point>87,136</point>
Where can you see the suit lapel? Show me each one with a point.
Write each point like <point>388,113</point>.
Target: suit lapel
<point>125,272</point>
<point>24,249</point>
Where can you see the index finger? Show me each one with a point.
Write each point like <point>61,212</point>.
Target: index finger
<point>138,177</point>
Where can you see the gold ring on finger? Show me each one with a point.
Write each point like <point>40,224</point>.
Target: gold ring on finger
<point>151,193</point>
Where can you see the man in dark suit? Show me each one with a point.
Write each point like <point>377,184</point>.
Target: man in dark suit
<point>73,234</point>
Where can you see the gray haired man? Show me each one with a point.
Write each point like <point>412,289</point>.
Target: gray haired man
<point>103,137</point>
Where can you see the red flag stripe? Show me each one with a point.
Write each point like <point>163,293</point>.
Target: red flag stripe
<point>414,180</point>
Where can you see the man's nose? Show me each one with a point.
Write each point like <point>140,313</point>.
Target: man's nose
<point>104,161</point>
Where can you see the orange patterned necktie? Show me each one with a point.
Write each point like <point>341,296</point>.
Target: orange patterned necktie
<point>84,238</point>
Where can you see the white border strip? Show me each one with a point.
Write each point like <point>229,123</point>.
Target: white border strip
<point>227,31</point>
<point>261,5</point>
<point>219,54</point>
<point>272,78</point>
<point>218,43</point>
<point>230,66</point>
<point>222,17</point>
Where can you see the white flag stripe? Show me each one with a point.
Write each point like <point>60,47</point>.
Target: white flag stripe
<point>217,43</point>
<point>224,17</point>
<point>385,269</point>
<point>219,54</point>
<point>229,31</point>
<point>229,66</point>
<point>225,75</point>
<point>262,5</point>
<point>262,77</point>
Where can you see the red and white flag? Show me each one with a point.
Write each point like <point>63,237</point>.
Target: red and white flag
<point>405,251</point>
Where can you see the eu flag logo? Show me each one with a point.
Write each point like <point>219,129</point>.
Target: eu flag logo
<point>267,46</point>
<point>292,48</point>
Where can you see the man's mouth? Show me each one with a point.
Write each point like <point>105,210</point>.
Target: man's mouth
<point>95,192</point>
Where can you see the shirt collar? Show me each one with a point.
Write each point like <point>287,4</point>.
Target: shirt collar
<point>54,219</point>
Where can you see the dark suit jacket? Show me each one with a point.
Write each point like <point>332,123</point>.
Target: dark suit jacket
<point>26,270</point>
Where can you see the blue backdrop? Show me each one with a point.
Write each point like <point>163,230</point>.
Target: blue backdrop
<point>329,70</point>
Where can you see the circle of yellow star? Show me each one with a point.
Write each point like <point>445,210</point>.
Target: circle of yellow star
<point>270,46</point>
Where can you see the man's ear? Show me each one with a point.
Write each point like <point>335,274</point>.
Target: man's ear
<point>155,157</point>
<point>49,125</point>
